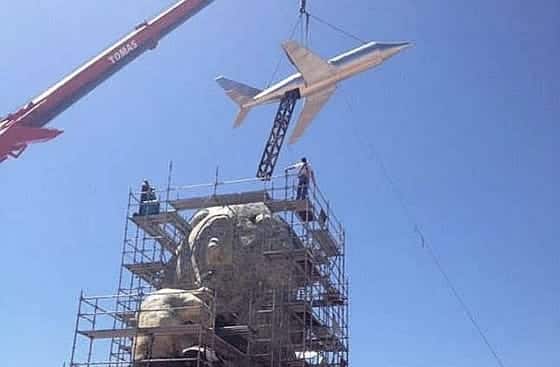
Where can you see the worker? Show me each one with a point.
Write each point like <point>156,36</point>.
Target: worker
<point>148,200</point>
<point>154,206</point>
<point>144,197</point>
<point>305,175</point>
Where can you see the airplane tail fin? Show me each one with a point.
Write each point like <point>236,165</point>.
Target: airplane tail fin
<point>240,94</point>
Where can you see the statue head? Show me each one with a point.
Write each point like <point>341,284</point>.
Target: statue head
<point>227,251</point>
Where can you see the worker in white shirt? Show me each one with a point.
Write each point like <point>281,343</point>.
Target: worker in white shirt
<point>305,176</point>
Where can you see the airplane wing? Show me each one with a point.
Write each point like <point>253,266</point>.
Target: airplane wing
<point>311,66</point>
<point>313,104</point>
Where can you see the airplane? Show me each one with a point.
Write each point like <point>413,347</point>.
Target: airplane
<point>316,80</point>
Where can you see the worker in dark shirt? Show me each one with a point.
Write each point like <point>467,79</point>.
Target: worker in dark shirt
<point>305,176</point>
<point>145,193</point>
<point>149,203</point>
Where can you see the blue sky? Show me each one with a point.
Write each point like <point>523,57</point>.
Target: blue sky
<point>466,123</point>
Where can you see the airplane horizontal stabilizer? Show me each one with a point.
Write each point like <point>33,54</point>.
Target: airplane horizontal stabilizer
<point>238,92</point>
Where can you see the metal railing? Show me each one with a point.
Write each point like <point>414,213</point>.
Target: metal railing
<point>280,187</point>
<point>95,325</point>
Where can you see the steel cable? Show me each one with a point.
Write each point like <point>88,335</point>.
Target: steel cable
<point>425,244</point>
<point>338,29</point>
<point>275,72</point>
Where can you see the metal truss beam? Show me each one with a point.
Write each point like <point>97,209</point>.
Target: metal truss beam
<point>276,138</point>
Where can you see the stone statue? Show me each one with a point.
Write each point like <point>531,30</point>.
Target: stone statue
<point>228,253</point>
<point>168,308</point>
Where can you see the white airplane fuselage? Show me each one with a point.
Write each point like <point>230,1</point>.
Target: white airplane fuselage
<point>315,81</point>
<point>345,66</point>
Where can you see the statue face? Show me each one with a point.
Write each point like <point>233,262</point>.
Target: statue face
<point>210,245</point>
<point>225,252</point>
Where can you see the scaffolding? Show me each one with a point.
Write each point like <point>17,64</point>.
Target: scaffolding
<point>303,323</point>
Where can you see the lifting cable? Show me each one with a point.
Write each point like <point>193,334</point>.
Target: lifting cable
<point>305,30</point>
<point>423,241</point>
<point>282,57</point>
<point>305,27</point>
<point>337,29</point>
<point>303,12</point>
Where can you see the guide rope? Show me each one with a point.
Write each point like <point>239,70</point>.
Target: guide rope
<point>423,240</point>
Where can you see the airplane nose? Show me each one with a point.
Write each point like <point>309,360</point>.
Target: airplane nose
<point>390,49</point>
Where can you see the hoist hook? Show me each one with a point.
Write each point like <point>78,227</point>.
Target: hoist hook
<point>303,12</point>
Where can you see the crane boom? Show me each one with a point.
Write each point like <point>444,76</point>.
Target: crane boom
<point>26,126</point>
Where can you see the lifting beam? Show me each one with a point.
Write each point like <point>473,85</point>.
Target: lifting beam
<point>276,138</point>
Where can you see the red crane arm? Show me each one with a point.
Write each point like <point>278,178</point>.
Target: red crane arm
<point>65,93</point>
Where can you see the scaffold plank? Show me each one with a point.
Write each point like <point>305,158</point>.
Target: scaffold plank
<point>304,259</point>
<point>202,202</point>
<point>331,343</point>
<point>326,241</point>
<point>150,225</point>
<point>302,207</point>
<point>311,270</point>
<point>127,317</point>
<point>132,332</point>
<point>333,295</point>
<point>324,336</point>
<point>298,363</point>
<point>179,222</point>
<point>192,330</point>
<point>277,206</point>
<point>236,330</point>
<point>306,216</point>
<point>170,217</point>
<point>296,254</point>
<point>146,268</point>
<point>147,271</point>
<point>237,336</point>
